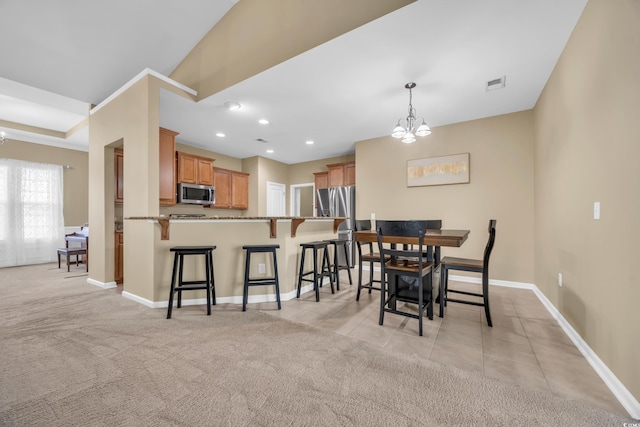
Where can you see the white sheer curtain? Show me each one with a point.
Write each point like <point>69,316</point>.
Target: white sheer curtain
<point>31,221</point>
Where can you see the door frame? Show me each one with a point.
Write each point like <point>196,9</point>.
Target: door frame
<point>294,198</point>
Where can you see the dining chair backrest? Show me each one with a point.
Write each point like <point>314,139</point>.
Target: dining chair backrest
<point>390,226</point>
<point>411,227</point>
<point>489,247</point>
<point>362,224</point>
<point>402,229</point>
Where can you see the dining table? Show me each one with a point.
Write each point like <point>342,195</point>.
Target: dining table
<point>432,237</point>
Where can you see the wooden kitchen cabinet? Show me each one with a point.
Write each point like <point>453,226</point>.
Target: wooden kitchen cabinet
<point>232,189</point>
<point>350,174</point>
<point>222,182</point>
<point>119,258</point>
<point>194,169</point>
<point>321,179</point>
<point>342,174</point>
<point>239,190</point>
<point>118,161</point>
<point>167,168</point>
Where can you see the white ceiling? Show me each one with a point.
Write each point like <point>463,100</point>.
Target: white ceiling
<point>62,56</point>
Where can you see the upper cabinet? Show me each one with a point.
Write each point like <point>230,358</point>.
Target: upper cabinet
<point>167,167</point>
<point>167,175</point>
<point>194,169</point>
<point>321,179</point>
<point>341,174</point>
<point>232,189</point>
<point>118,161</point>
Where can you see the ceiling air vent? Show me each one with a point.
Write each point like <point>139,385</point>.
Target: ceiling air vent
<point>262,140</point>
<point>495,83</point>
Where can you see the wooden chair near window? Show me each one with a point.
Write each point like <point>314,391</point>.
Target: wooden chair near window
<point>82,237</point>
<point>473,265</point>
<point>406,273</point>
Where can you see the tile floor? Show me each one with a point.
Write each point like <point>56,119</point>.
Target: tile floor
<point>525,346</point>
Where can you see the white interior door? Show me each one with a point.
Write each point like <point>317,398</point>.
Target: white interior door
<point>276,199</point>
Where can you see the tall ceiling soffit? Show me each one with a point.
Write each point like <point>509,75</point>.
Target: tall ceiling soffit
<point>256,35</point>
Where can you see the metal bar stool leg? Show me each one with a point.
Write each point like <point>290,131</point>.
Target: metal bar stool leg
<point>173,284</point>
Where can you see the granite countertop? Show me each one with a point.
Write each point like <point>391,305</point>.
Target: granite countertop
<point>239,218</point>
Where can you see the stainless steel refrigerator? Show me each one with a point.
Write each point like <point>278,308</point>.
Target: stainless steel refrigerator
<point>340,202</point>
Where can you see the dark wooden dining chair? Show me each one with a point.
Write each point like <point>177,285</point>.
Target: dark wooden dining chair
<point>407,275</point>
<point>366,255</point>
<point>473,265</point>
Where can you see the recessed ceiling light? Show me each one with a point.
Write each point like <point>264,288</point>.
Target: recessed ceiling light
<point>263,121</point>
<point>269,151</point>
<point>309,142</point>
<point>220,135</point>
<point>232,105</point>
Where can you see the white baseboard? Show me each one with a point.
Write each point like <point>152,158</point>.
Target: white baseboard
<point>624,396</point>
<point>219,300</point>
<point>103,285</point>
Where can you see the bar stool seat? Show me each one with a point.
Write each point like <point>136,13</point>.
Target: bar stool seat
<point>317,275</point>
<point>335,267</point>
<point>178,267</point>
<point>265,281</point>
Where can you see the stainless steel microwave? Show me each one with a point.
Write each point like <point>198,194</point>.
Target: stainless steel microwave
<point>196,194</point>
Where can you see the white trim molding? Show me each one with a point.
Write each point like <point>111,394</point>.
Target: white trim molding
<point>142,74</point>
<point>103,285</point>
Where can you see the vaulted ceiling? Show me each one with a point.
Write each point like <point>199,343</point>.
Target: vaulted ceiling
<point>58,58</point>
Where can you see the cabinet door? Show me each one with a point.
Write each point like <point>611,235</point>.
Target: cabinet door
<point>118,160</point>
<point>321,179</point>
<point>187,168</point>
<point>239,191</point>
<point>205,171</point>
<point>119,258</point>
<point>167,167</point>
<point>222,182</point>
<point>336,175</point>
<point>350,174</point>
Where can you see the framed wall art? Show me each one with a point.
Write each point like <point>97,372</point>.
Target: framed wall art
<point>453,169</point>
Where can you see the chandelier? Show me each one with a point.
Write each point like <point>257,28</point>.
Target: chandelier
<point>3,138</point>
<point>409,132</point>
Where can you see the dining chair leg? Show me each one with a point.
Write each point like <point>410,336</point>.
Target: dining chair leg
<point>441,292</point>
<point>383,296</point>
<point>420,306</point>
<point>370,276</point>
<point>485,294</point>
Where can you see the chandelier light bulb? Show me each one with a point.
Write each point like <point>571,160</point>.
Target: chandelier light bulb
<point>423,130</point>
<point>408,138</point>
<point>407,133</point>
<point>398,131</point>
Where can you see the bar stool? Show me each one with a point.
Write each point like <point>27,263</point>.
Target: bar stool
<point>317,274</point>
<point>263,281</point>
<point>178,263</point>
<point>336,265</point>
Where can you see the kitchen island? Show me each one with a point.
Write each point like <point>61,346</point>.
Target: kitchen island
<point>229,235</point>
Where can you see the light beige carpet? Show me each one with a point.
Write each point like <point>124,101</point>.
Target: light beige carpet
<point>76,355</point>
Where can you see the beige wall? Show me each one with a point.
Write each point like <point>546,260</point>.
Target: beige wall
<point>587,150</point>
<point>256,35</point>
<point>501,187</point>
<point>76,186</point>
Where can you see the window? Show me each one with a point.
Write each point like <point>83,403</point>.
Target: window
<point>31,221</point>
